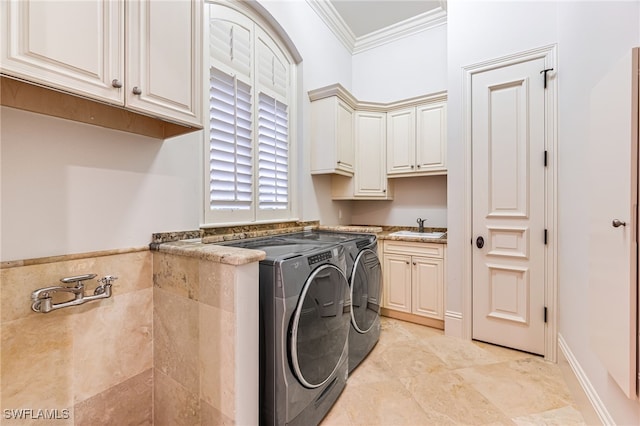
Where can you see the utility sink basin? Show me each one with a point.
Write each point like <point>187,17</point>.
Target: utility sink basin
<point>418,234</point>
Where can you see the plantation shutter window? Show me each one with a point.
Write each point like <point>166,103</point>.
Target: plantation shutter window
<point>230,163</point>
<point>247,157</point>
<point>273,154</point>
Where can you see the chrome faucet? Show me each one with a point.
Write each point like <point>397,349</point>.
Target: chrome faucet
<point>421,224</point>
<point>42,299</point>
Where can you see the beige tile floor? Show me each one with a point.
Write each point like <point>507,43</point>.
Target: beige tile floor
<point>417,376</point>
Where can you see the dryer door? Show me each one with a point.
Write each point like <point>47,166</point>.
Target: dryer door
<point>366,290</point>
<point>320,326</point>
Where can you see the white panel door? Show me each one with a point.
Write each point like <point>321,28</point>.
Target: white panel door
<point>75,46</point>
<point>397,277</point>
<point>613,152</point>
<point>508,146</point>
<point>164,59</point>
<point>370,176</point>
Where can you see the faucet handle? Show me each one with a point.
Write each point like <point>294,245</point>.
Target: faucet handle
<point>107,279</point>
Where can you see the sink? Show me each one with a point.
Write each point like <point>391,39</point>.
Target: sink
<point>418,234</point>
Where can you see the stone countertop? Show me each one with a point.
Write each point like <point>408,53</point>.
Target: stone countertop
<point>385,235</point>
<point>211,252</point>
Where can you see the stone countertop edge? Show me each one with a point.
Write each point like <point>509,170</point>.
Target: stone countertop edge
<point>385,236</point>
<point>357,228</point>
<point>210,252</point>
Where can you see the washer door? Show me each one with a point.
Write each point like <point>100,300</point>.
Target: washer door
<point>320,326</point>
<point>366,290</point>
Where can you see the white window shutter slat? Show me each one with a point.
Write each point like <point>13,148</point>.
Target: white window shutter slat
<point>230,143</point>
<point>273,154</point>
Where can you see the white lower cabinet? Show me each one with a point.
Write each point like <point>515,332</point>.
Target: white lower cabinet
<point>413,275</point>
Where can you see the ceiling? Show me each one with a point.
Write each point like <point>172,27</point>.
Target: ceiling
<point>364,24</point>
<point>367,16</point>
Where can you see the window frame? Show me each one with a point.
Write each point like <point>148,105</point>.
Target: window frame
<point>261,29</point>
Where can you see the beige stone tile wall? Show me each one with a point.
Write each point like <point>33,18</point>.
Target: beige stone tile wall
<point>94,360</point>
<point>196,331</point>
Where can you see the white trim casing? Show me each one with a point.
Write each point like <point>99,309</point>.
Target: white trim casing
<point>549,53</point>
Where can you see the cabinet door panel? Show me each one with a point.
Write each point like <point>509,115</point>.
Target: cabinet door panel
<point>345,143</point>
<point>431,148</point>
<point>332,142</point>
<point>401,136</point>
<point>397,282</point>
<point>75,46</point>
<point>164,59</point>
<point>370,176</point>
<point>427,287</point>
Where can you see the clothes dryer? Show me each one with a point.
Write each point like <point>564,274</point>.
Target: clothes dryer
<point>364,272</point>
<point>304,328</point>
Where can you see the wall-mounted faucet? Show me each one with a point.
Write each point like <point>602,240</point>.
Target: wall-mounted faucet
<point>421,224</point>
<point>42,299</point>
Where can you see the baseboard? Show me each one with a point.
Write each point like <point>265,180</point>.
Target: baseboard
<point>453,324</point>
<point>589,403</point>
<point>417,319</point>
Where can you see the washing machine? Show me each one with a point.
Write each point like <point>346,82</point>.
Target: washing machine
<point>364,272</point>
<point>305,315</point>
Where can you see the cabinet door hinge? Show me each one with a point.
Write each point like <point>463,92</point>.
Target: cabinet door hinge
<point>546,236</point>
<point>545,314</point>
<point>546,158</point>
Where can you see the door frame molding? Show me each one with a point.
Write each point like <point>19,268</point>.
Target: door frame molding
<point>549,54</point>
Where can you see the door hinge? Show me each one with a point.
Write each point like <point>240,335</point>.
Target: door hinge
<point>546,236</point>
<point>546,158</point>
<point>545,75</point>
<point>545,314</point>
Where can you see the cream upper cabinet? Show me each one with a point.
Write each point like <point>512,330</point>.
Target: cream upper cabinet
<point>82,47</point>
<point>332,132</point>
<point>164,65</point>
<point>431,138</point>
<point>413,278</point>
<point>75,46</point>
<point>369,181</point>
<point>401,137</point>
<point>370,178</point>
<point>416,140</point>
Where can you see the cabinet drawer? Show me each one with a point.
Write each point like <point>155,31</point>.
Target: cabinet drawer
<point>416,249</point>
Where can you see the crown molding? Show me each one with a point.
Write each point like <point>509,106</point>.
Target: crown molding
<point>330,16</point>
<point>408,27</point>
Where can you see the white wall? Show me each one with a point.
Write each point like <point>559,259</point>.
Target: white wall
<point>69,187</point>
<point>412,66</point>
<point>590,36</point>
<point>424,197</point>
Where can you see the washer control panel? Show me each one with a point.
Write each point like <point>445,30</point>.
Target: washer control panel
<point>316,258</point>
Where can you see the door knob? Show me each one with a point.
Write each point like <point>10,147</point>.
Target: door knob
<point>618,223</point>
<point>479,242</point>
<point>136,91</point>
<point>116,83</point>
